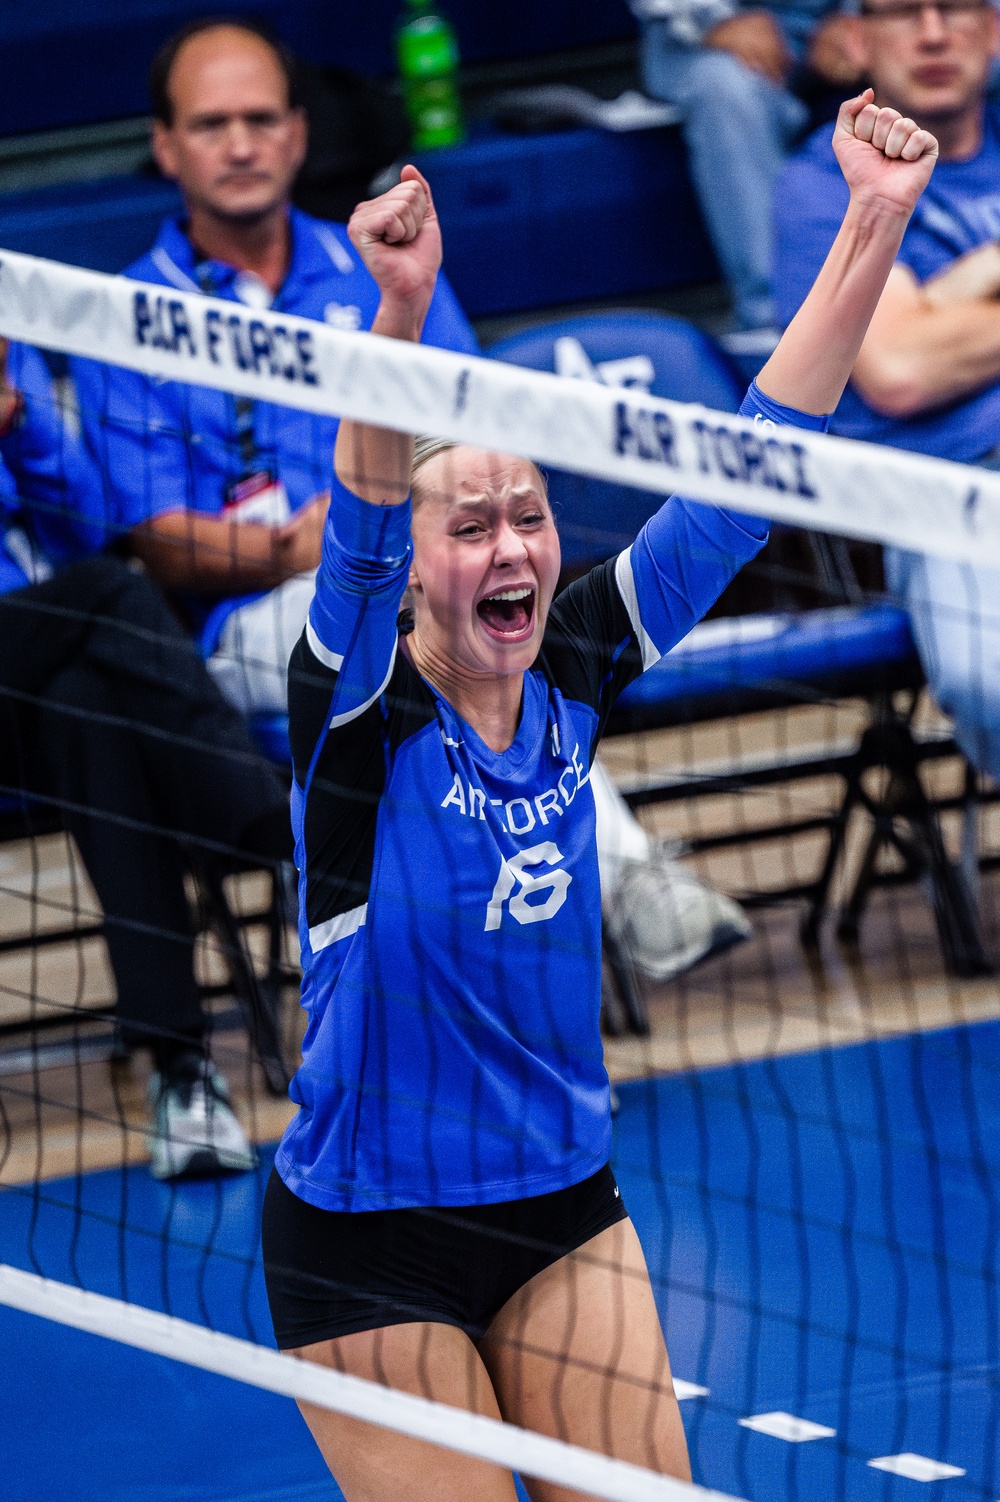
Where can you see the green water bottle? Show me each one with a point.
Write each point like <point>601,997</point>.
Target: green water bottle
<point>428,62</point>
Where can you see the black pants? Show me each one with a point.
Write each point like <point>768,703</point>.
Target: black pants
<point>107,709</point>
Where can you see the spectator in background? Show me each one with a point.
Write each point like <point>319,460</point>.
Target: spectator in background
<point>185,467</point>
<point>928,376</point>
<point>729,68</point>
<point>107,711</point>
<point>226,498</point>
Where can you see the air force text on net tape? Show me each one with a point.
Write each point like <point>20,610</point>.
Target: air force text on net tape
<point>809,479</point>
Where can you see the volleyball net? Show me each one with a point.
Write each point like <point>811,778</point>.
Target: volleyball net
<point>800,1017</point>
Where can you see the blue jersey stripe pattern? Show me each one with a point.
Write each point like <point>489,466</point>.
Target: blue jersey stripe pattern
<point>450,901</point>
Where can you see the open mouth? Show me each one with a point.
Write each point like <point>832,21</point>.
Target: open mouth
<point>508,613</point>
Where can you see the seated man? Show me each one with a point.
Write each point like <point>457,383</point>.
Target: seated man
<point>928,377</point>
<point>107,712</point>
<point>226,497</point>
<point>727,66</point>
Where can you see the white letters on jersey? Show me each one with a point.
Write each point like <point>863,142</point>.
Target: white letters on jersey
<point>512,872</point>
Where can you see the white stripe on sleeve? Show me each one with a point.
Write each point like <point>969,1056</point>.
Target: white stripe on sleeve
<point>322,654</point>
<point>352,714</point>
<point>625,580</point>
<point>340,927</point>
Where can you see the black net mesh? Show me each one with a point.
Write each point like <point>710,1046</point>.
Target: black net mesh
<point>795,984</point>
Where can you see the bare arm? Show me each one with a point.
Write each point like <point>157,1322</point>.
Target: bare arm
<point>974,275</point>
<point>887,162</point>
<point>398,238</point>
<point>928,345</point>
<point>191,550</point>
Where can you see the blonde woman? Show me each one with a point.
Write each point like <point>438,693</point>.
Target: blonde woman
<point>443,1217</point>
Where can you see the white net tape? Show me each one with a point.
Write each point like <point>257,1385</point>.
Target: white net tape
<point>470,1434</point>
<point>808,479</point>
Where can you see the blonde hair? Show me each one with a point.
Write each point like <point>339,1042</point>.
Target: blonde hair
<point>426,447</point>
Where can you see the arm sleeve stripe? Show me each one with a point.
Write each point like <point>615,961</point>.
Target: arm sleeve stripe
<point>625,579</point>
<point>352,714</point>
<point>334,660</point>
<point>340,927</point>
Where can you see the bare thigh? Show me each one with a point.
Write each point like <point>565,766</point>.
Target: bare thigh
<point>578,1353</point>
<point>372,1464</point>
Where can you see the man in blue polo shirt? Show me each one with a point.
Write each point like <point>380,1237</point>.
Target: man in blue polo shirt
<point>224,497</point>
<point>928,377</point>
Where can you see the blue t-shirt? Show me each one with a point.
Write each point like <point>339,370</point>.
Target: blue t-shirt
<point>165,446</point>
<point>449,900</point>
<point>959,210</point>
<point>51,502</point>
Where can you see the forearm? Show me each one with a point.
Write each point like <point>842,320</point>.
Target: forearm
<point>189,550</point>
<point>936,355</point>
<point>374,463</point>
<point>969,278</point>
<point>817,353</point>
<point>362,576</point>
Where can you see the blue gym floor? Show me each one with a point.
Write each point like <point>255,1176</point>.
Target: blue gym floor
<point>823,1231</point>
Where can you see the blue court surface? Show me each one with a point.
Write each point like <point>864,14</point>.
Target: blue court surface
<point>823,1231</point>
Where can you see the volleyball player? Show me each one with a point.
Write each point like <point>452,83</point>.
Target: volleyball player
<point>443,1217</point>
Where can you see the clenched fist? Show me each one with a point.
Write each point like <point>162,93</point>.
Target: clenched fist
<point>886,158</point>
<point>398,237</point>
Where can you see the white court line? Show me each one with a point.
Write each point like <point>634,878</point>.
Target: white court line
<point>916,1467</point>
<point>469,1434</point>
<point>786,1426</point>
<point>684,1390</point>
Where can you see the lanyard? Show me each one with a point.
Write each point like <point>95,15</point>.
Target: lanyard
<point>243,407</point>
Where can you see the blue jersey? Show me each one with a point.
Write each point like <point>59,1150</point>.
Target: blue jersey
<point>450,906</point>
<point>51,502</point>
<point>166,446</point>
<point>958,211</point>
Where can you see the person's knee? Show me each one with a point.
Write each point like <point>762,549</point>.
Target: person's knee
<point>101,570</point>
<point>77,693</point>
<point>722,84</point>
<point>141,602</point>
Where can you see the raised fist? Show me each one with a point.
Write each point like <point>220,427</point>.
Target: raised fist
<point>885,157</point>
<point>398,238</point>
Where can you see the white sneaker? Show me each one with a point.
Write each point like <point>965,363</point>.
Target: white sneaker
<point>195,1132</point>
<point>667,920</point>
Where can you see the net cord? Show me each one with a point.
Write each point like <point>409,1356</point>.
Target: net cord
<point>470,1434</point>
<point>623,435</point>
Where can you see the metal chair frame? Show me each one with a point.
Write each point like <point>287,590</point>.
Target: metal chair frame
<point>257,996</point>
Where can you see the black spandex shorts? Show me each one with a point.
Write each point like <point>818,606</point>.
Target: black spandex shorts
<point>332,1273</point>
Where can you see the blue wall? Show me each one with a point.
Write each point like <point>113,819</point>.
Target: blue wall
<point>69,62</point>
